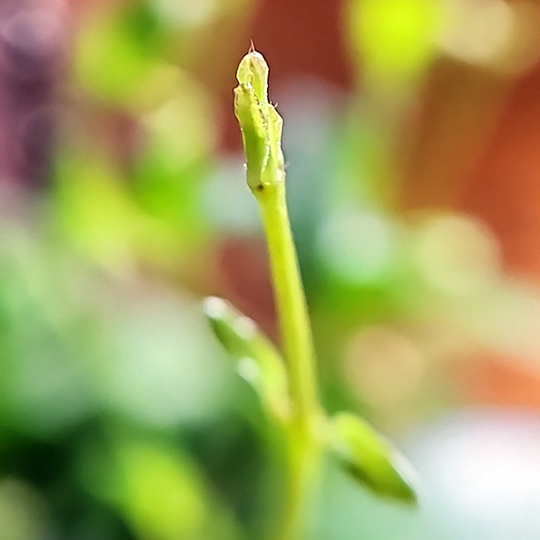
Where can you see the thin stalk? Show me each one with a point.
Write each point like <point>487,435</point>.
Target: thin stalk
<point>290,301</point>
<point>301,444</point>
<point>302,472</point>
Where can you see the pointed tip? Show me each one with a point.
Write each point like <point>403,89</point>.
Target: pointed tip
<point>410,479</point>
<point>245,327</point>
<point>251,46</point>
<point>214,307</point>
<point>371,459</point>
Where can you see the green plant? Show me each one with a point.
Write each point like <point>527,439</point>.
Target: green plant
<point>288,389</point>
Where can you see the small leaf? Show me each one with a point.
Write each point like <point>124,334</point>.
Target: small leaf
<point>253,71</point>
<point>254,127</point>
<point>258,361</point>
<point>259,122</point>
<point>370,458</point>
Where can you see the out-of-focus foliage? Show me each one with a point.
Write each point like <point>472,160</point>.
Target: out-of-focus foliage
<point>394,40</point>
<point>119,414</point>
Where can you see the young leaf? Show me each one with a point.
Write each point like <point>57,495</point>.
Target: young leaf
<point>370,458</point>
<point>259,122</point>
<point>258,362</point>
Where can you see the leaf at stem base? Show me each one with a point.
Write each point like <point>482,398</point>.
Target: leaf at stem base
<point>369,458</point>
<point>258,361</point>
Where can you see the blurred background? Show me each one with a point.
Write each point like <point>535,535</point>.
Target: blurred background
<point>412,140</point>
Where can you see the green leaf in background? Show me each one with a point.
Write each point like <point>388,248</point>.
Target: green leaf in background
<point>99,211</point>
<point>156,488</point>
<point>96,209</point>
<point>370,458</point>
<point>116,52</point>
<point>259,363</point>
<point>393,40</point>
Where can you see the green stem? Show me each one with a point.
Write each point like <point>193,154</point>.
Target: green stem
<point>290,302</point>
<point>301,445</point>
<point>303,458</point>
